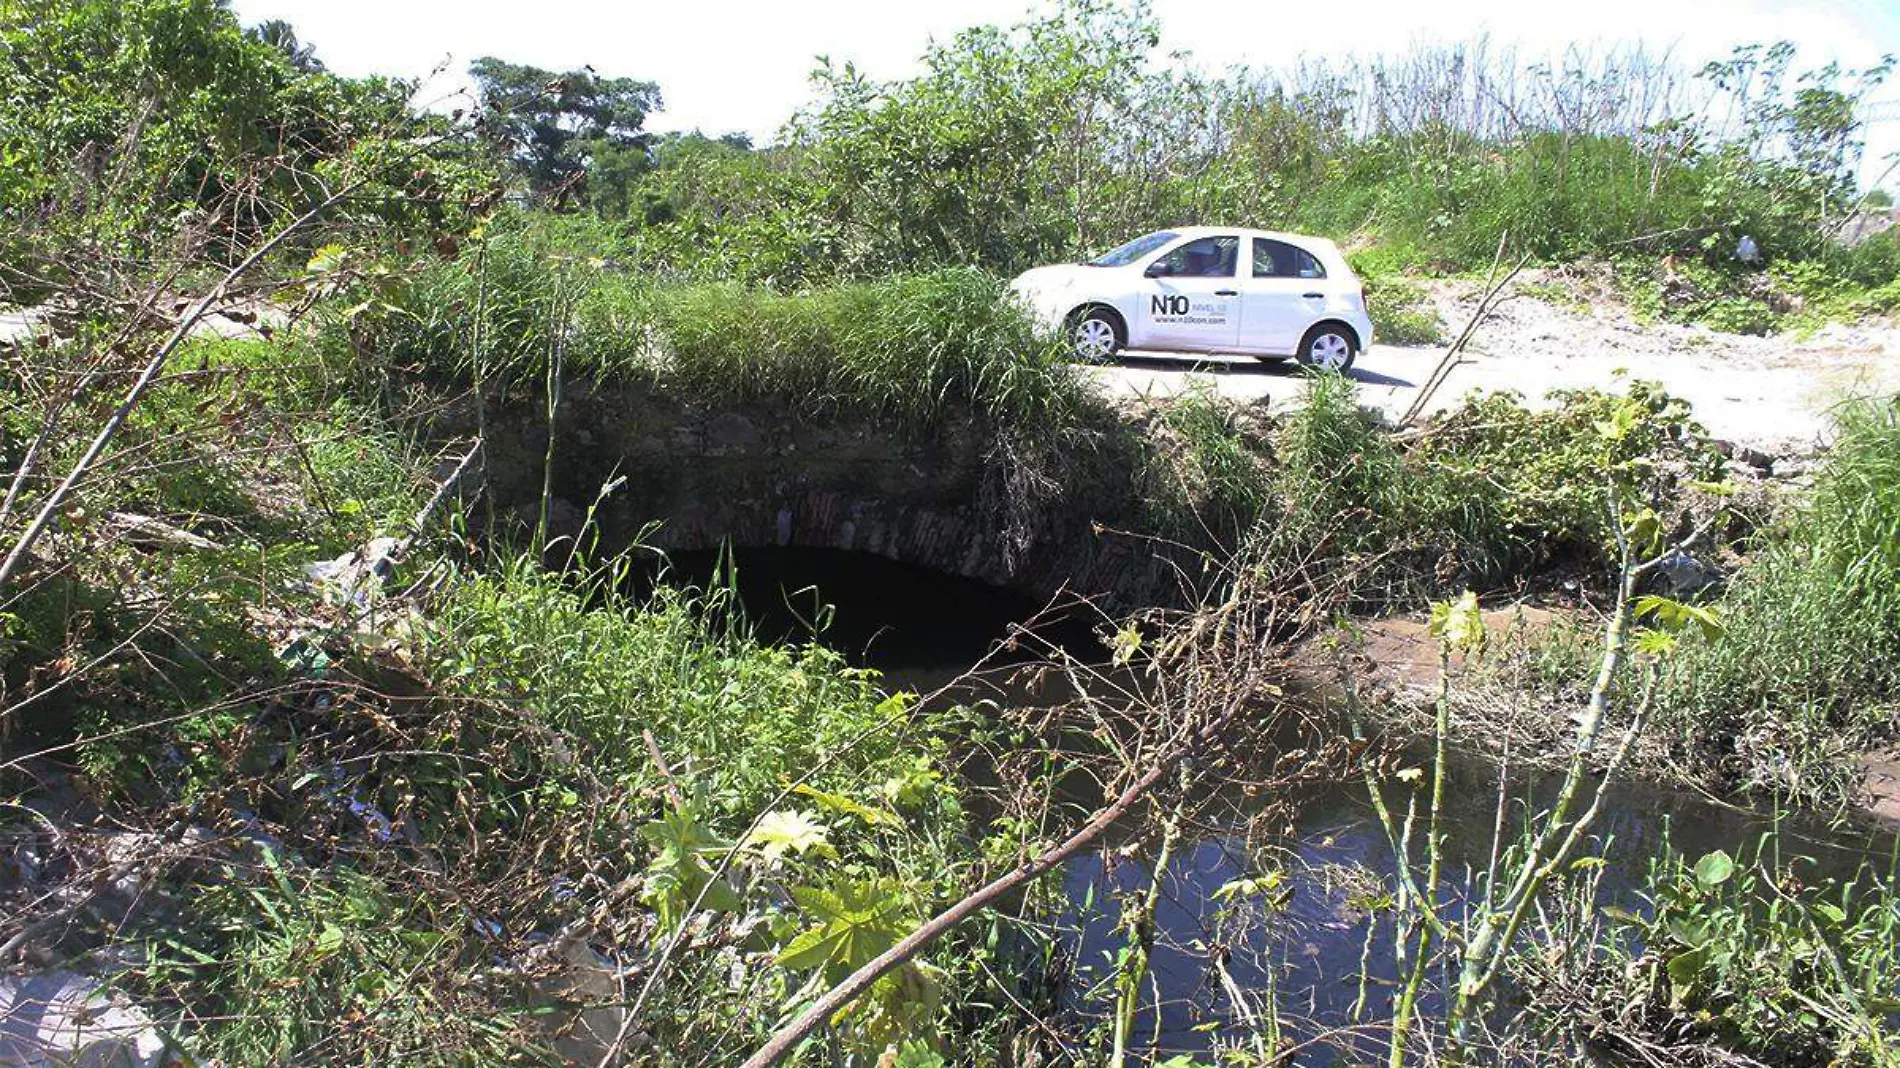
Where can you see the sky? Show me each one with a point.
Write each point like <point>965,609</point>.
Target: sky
<point>744,65</point>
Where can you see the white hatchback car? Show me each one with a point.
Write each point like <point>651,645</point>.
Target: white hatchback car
<point>1208,289</point>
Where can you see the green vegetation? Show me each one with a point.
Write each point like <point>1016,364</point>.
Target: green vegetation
<point>1066,134</point>
<point>560,131</point>
<point>1801,673</point>
<point>1762,955</point>
<point>1493,493</point>
<point>392,783</point>
<point>908,349</point>
<point>1402,312</point>
<point>156,132</point>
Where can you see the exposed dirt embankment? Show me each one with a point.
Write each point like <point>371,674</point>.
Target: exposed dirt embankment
<point>1495,707</point>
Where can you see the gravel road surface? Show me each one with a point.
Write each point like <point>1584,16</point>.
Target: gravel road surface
<point>1768,393</point>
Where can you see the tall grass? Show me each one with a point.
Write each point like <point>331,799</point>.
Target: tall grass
<point>736,717</point>
<point>905,350</point>
<point>1806,669</point>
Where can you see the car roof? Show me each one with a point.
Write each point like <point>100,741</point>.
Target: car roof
<point>1245,231</point>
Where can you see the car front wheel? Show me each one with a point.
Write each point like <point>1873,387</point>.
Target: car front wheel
<point>1327,348</point>
<point>1095,336</point>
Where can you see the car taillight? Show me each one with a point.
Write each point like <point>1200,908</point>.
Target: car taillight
<point>1365,301</point>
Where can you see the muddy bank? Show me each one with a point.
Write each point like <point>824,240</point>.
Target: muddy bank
<point>1505,703</point>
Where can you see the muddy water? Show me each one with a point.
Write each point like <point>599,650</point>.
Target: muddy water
<point>1320,957</point>
<point>1312,951</point>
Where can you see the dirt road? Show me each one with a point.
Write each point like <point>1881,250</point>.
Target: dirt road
<point>1769,393</point>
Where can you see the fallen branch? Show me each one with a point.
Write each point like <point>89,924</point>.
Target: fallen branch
<point>153,368</point>
<point>1494,288</point>
<point>789,1037</point>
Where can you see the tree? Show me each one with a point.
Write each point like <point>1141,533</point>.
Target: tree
<point>280,35</point>
<point>558,127</point>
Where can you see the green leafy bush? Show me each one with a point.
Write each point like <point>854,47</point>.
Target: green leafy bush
<point>1493,490</point>
<point>1763,960</point>
<point>1402,312</point>
<point>747,716</point>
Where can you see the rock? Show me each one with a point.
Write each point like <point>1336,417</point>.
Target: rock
<point>352,576</point>
<point>730,430</point>
<point>1730,450</point>
<point>67,1020</point>
<point>156,533</point>
<point>1682,575</point>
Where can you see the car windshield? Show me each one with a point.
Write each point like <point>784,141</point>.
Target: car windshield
<point>1133,250</point>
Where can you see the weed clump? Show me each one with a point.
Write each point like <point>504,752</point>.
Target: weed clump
<point>1488,494</point>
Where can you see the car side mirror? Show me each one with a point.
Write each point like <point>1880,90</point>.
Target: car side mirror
<point>1158,269</point>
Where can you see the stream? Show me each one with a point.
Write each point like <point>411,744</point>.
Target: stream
<point>1304,954</point>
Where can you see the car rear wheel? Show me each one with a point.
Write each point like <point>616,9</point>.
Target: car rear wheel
<point>1095,336</point>
<point>1327,348</point>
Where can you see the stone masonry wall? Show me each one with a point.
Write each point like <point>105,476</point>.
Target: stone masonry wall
<point>695,479</point>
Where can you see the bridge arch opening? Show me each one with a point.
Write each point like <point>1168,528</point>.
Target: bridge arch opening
<point>878,612</point>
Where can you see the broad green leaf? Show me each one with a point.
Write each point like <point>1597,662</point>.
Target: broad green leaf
<point>1685,969</point>
<point>791,831</point>
<point>329,940</point>
<point>914,1054</point>
<point>1459,624</point>
<point>857,920</point>
<point>1674,616</point>
<point>1644,531</point>
<point>1654,642</point>
<point>873,816</point>
<point>1713,870</point>
<point>327,259</point>
<point>677,875</point>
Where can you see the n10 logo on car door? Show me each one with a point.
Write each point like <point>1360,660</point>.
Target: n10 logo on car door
<point>1178,308</point>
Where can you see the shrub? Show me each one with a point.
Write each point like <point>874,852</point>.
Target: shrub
<point>1491,492</point>
<point>583,661</point>
<point>1402,312</point>
<point>1758,956</point>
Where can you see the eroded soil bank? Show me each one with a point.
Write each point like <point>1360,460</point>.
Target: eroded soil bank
<point>1503,704</point>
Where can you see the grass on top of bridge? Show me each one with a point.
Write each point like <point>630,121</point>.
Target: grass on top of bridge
<point>905,350</point>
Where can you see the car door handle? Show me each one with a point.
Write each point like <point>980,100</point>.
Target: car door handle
<point>1313,296</point>
<point>1227,292</point>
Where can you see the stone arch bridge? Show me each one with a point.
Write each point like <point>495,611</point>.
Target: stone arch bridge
<point>696,479</point>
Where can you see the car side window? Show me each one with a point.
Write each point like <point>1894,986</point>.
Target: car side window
<point>1208,257</point>
<point>1277,259</point>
